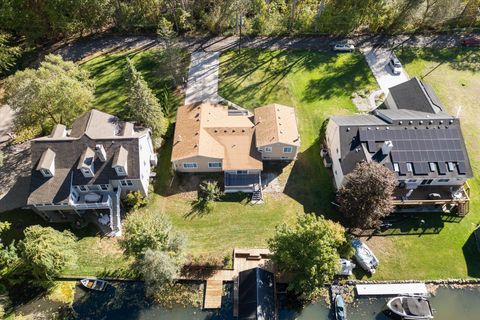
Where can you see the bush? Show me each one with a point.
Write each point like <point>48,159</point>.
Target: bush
<point>134,201</point>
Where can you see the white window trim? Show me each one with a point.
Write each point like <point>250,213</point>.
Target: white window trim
<point>214,164</point>
<point>267,149</point>
<point>288,148</point>
<point>194,165</point>
<point>241,172</point>
<point>46,173</point>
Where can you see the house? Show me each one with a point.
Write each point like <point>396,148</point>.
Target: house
<point>416,139</point>
<point>213,138</point>
<point>256,294</point>
<point>81,173</point>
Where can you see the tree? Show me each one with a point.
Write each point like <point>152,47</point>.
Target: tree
<point>143,106</point>
<point>146,230</point>
<point>8,53</point>
<point>57,92</point>
<point>46,251</point>
<point>8,253</point>
<point>309,252</point>
<point>366,196</point>
<point>158,269</point>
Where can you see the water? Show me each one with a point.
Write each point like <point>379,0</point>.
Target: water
<point>126,301</point>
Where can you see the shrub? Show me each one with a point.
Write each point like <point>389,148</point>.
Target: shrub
<point>135,200</point>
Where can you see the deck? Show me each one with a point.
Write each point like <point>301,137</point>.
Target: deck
<point>213,294</point>
<point>392,289</point>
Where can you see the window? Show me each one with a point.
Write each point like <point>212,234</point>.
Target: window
<point>93,188</point>
<point>285,158</point>
<point>395,167</point>
<point>268,149</point>
<point>104,187</point>
<point>409,167</point>
<point>287,149</point>
<point>46,173</point>
<point>451,166</point>
<point>214,164</point>
<point>82,188</point>
<point>433,166</point>
<point>121,171</point>
<point>190,165</point>
<point>443,180</point>
<point>242,172</point>
<point>126,183</point>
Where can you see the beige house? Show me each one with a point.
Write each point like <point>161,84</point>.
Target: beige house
<point>212,138</point>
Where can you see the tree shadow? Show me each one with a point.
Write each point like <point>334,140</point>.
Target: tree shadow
<point>472,256</point>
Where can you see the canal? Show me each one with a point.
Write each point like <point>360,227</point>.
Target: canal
<point>126,301</point>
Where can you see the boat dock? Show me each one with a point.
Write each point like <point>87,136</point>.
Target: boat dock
<point>391,289</point>
<point>213,294</point>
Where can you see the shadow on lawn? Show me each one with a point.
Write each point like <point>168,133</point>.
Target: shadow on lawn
<point>472,257</point>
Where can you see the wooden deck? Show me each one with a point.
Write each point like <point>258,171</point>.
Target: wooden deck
<point>213,294</point>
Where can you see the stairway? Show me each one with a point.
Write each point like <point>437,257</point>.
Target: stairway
<point>115,220</point>
<point>257,196</point>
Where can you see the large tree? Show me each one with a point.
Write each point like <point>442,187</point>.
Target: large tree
<point>46,251</point>
<point>147,230</point>
<point>367,194</point>
<point>8,53</point>
<point>57,92</point>
<point>158,269</point>
<point>143,106</point>
<point>309,252</point>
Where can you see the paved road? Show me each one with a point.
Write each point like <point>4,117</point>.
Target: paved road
<point>378,59</point>
<point>202,77</point>
<point>6,122</point>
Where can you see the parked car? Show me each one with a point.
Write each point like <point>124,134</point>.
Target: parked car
<point>343,47</point>
<point>395,65</point>
<point>471,42</point>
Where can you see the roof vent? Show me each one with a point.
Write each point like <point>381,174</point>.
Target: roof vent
<point>387,147</point>
<point>101,153</point>
<point>400,122</point>
<point>451,121</point>
<point>410,122</point>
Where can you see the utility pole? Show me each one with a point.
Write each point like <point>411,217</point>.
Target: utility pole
<point>240,33</point>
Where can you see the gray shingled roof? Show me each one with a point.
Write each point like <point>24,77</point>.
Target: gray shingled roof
<point>415,95</point>
<point>68,152</point>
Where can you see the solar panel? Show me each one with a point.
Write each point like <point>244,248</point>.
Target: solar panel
<point>462,168</point>
<point>420,168</point>
<point>442,168</point>
<point>402,166</point>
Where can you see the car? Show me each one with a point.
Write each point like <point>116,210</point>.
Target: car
<point>343,47</point>
<point>395,65</point>
<point>471,42</point>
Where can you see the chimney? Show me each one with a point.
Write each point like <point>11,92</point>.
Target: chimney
<point>100,151</point>
<point>387,146</point>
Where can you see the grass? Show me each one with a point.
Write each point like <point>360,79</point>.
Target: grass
<point>108,74</point>
<point>454,74</point>
<point>319,85</point>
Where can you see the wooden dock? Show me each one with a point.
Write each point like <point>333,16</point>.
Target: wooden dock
<point>213,294</point>
<point>392,289</point>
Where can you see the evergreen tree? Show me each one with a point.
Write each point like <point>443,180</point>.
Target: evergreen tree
<point>143,106</point>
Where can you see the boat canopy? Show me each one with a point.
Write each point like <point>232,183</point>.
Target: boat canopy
<point>256,295</point>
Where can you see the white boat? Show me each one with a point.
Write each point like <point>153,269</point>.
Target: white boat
<point>411,307</point>
<point>94,284</point>
<point>364,256</point>
<point>346,267</point>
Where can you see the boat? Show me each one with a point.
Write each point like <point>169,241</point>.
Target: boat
<point>94,284</point>
<point>340,309</point>
<point>346,267</point>
<point>364,256</point>
<point>411,307</point>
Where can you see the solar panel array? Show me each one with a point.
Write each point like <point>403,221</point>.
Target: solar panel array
<point>420,147</point>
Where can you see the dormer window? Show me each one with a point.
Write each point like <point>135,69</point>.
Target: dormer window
<point>85,164</point>
<point>120,162</point>
<point>46,164</point>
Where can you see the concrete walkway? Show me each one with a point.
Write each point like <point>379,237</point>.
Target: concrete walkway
<point>377,60</point>
<point>203,77</point>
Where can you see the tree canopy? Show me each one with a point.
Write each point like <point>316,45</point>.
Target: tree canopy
<point>46,251</point>
<point>309,252</point>
<point>57,92</point>
<point>146,230</point>
<point>8,53</point>
<point>366,196</point>
<point>143,106</point>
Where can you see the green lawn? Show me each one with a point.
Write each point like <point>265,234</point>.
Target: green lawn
<point>319,85</point>
<point>455,76</point>
<point>108,73</point>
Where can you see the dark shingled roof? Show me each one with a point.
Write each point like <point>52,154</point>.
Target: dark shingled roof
<point>68,152</point>
<point>415,95</point>
<point>256,295</point>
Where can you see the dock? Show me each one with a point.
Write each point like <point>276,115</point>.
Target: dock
<point>392,289</point>
<point>213,294</point>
